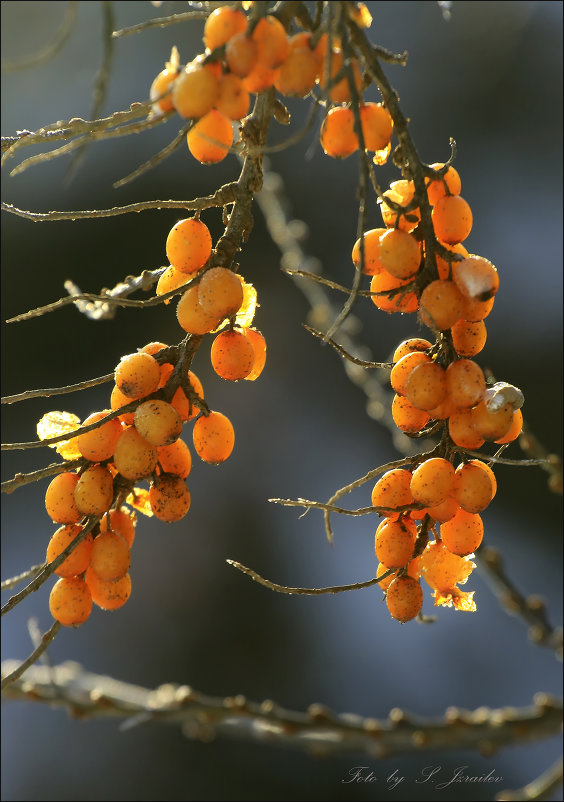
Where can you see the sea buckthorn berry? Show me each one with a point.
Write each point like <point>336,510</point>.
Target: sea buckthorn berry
<point>426,386</point>
<point>119,400</point>
<point>377,126</point>
<point>186,407</point>
<point>444,267</point>
<point>462,534</point>
<point>414,568</point>
<point>514,430</point>
<point>339,92</point>
<point>158,422</point>
<point>108,595</point>
<point>452,219</point>
<point>436,187</point>
<point>152,348</point>
<point>445,511</point>
<point>137,375</point>
<point>476,278</point>
<point>260,78</point>
<point>466,384</point>
<point>211,137</point>
<point>222,24</point>
<point>474,310</point>
<point>213,437</point>
<point>79,559</point>
<point>220,292</point>
<point>192,316</point>
<point>402,369</point>
<point>188,245</point>
<point>121,521</point>
<point>372,263</point>
<point>391,491</point>
<point>163,82</point>
<point>94,490</point>
<point>492,424</point>
<point>134,457</point>
<point>110,558</point>
<point>400,192</point>
<point>394,543</point>
<point>440,304</point>
<point>259,353</point>
<point>409,346</point>
<point>432,481</point>
<point>404,598</point>
<point>407,417</point>
<point>298,73</point>
<point>233,100</point>
<point>99,444</point>
<point>175,458</point>
<point>59,499</point>
<point>70,601</point>
<point>384,584</point>
<point>271,41</point>
<point>195,91</point>
<point>442,411</point>
<point>473,488</point>
<point>400,253</point>
<point>169,497</point>
<point>241,54</point>
<point>483,466</point>
<point>232,355</point>
<point>400,301</point>
<point>462,429</point>
<point>469,337</point>
<point>442,569</point>
<point>338,138</point>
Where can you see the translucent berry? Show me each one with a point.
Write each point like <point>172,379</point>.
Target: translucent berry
<point>169,497</point>
<point>188,245</point>
<point>400,253</point>
<point>259,353</point>
<point>436,187</point>
<point>78,560</point>
<point>94,491</point>
<point>404,598</point>
<point>407,417</point>
<point>134,457</point>
<point>192,316</point>
<point>377,126</point>
<point>452,219</point>
<point>108,595</point>
<point>220,292</point>
<point>392,491</point>
<point>157,422</point>
<point>241,54</point>
<point>514,430</point>
<point>195,91</point>
<point>395,541</point>
<point>440,304</point>
<point>233,101</point>
<point>121,521</point>
<point>271,41</point>
<point>211,137</point>
<point>59,499</point>
<point>70,601</point>
<point>338,138</point>
<point>110,556</point>
<point>465,382</point>
<point>432,481</point>
<point>463,533</point>
<point>213,437</point>
<point>372,263</point>
<point>98,445</point>
<point>137,375</point>
<point>175,458</point>
<point>222,24</point>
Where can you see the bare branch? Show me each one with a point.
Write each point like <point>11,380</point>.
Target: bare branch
<point>33,657</point>
<point>8,584</point>
<point>21,479</point>
<point>306,591</point>
<point>355,360</point>
<point>156,159</point>
<point>50,50</point>
<point>160,22</point>
<point>47,393</point>
<point>542,788</point>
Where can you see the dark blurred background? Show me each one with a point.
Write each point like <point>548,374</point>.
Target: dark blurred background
<point>491,78</point>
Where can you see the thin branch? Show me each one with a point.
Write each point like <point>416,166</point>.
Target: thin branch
<point>318,505</point>
<point>318,730</point>
<point>542,788</point>
<point>33,657</point>
<point>355,360</point>
<point>47,393</point>
<point>306,591</point>
<point>21,479</point>
<point>327,282</point>
<point>552,462</point>
<point>156,159</point>
<point>8,584</point>
<point>50,50</point>
<point>160,22</point>
<point>502,460</point>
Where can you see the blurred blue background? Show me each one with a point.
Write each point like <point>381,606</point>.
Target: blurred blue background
<point>491,78</point>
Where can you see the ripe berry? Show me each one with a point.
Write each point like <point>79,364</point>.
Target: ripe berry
<point>400,301</point>
<point>98,445</point>
<point>395,541</point>
<point>476,278</point>
<point>137,375</point>
<point>70,601</point>
<point>94,490</point>
<point>110,556</point>
<point>222,24</point>
<point>211,137</point>
<point>514,430</point>
<point>409,346</point>
<point>440,304</point>
<point>163,82</point>
<point>59,499</point>
<point>213,437</point>
<point>232,355</point>
<point>175,458</point>
<point>462,534</point>
<point>259,353</point>
<point>121,521</point>
<point>271,41</point>
<point>426,386</point>
<point>298,73</point>
<point>157,422</point>
<point>108,595</point>
<point>220,292</point>
<point>404,598</point>
<point>465,383</point>
<point>403,368</point>
<point>377,126</point>
<point>338,138</point>
<point>400,253</point>
<point>473,487</point>
<point>407,417</point>
<point>432,481</point>
<point>233,100</point>
<point>436,187</point>
<point>195,91</point>
<point>241,54</point>
<point>192,316</point>
<point>391,491</point>
<point>469,337</point>
<point>134,457</point>
<point>188,245</point>
<point>452,219</point>
<point>78,560</point>
<point>372,263</point>
<point>169,497</point>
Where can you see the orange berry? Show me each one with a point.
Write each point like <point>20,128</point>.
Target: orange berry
<point>440,304</point>
<point>443,265</point>
<point>395,541</point>
<point>220,292</point>
<point>492,424</point>
<point>404,598</point>
<point>259,353</point>
<point>188,245</point>
<point>153,348</point>
<point>463,533</point>
<point>195,91</point>
<point>469,337</point>
<point>137,375</point>
<point>158,422</point>
<point>377,126</point>
<point>402,370</point>
<point>297,75</point>
<point>241,54</point>
<point>110,558</point>
<point>98,445</point>
<point>436,187</point>
<point>432,481</point>
<point>391,491</point>
<point>233,100</point>
<point>465,383</point>
<point>108,595</point>
<point>462,429</point>
<point>79,559</point>
<point>409,346</point>
<point>175,458</point>
<point>426,386</point>
<point>222,24</point>
<point>185,407</point>
<point>59,499</point>
<point>476,310</point>
<point>260,78</point>
<point>442,411</point>
<point>400,253</point>
<point>372,263</point>
<point>192,316</point>
<point>400,301</point>
<point>70,602</point>
<point>473,487</point>
<point>338,138</point>
<point>232,355</point>
<point>339,92</point>
<point>445,511</point>
<point>213,437</point>
<point>121,521</point>
<point>452,219</point>
<point>476,278</point>
<point>401,192</point>
<point>514,429</point>
<point>134,457</point>
<point>170,280</point>
<point>169,497</point>
<point>407,417</point>
<point>119,400</point>
<point>94,490</point>
<point>211,137</point>
<point>384,584</point>
<point>271,41</point>
<point>163,83</point>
